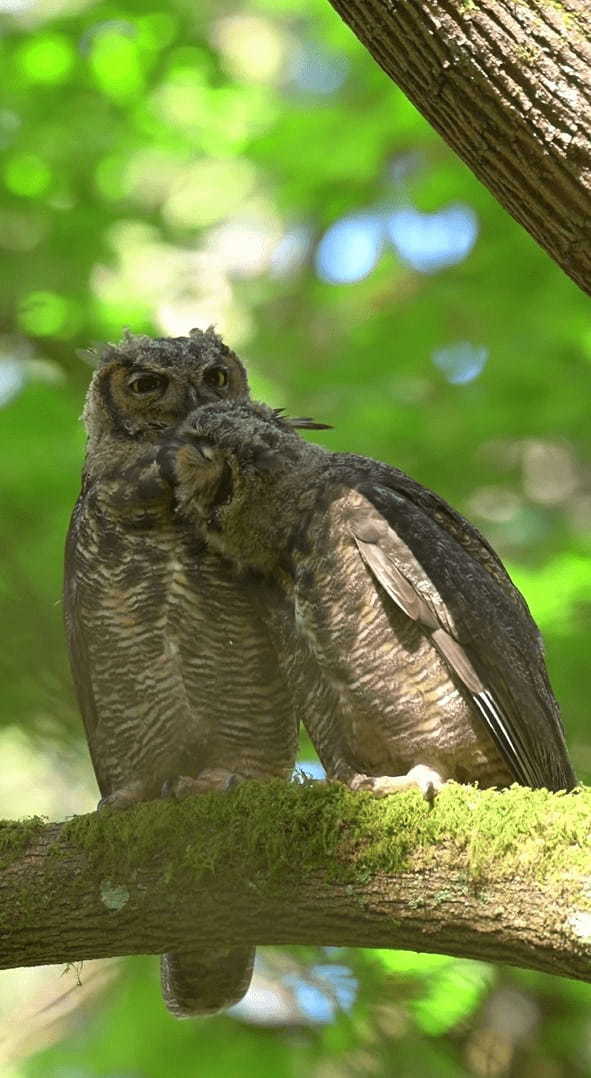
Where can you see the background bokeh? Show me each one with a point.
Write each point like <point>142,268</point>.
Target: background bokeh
<point>249,165</point>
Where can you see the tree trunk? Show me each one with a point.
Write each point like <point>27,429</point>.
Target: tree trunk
<point>500,876</point>
<point>508,84</point>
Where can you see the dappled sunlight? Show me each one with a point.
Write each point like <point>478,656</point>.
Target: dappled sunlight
<point>116,61</point>
<point>252,47</point>
<point>495,503</point>
<point>218,119</point>
<point>148,177</point>
<point>509,1017</point>
<point>48,781</point>
<point>27,174</point>
<point>44,314</point>
<point>244,246</point>
<point>546,475</point>
<point>47,58</point>
<point>290,253</point>
<point>179,288</point>
<point>41,1006</point>
<point>207,191</point>
<point>23,230</point>
<point>15,7</point>
<point>549,472</point>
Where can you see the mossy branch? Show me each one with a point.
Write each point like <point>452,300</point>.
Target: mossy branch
<point>507,83</point>
<point>504,876</point>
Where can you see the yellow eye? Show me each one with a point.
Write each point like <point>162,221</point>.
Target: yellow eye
<point>216,377</point>
<point>147,382</point>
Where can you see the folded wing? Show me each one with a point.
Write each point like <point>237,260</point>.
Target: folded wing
<point>476,619</point>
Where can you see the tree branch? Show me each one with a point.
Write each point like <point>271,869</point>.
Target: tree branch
<point>501,876</point>
<point>507,83</point>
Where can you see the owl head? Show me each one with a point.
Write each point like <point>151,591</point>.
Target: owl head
<point>144,386</point>
<point>239,469</point>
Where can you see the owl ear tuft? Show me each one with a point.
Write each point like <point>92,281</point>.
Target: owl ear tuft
<point>99,353</point>
<point>304,422</point>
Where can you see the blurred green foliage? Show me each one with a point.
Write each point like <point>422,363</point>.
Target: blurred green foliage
<point>170,166</point>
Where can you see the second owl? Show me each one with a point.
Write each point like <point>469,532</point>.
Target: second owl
<point>411,656</point>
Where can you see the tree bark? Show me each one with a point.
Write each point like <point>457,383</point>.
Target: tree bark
<point>507,83</point>
<point>500,876</point>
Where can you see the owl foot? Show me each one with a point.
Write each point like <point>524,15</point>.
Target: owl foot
<point>214,778</point>
<point>122,799</point>
<point>425,779</point>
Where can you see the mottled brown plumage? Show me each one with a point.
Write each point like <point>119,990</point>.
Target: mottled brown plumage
<point>411,655</point>
<point>175,673</point>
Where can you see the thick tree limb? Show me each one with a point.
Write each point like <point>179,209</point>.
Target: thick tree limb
<point>508,84</point>
<point>501,876</point>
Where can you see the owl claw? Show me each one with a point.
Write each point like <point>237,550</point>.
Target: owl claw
<point>121,799</point>
<point>425,779</point>
<point>430,793</point>
<point>216,778</point>
<point>428,781</point>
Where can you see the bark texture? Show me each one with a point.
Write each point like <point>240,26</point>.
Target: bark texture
<point>500,876</point>
<point>507,83</point>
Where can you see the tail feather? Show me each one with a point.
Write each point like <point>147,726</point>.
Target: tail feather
<point>204,981</point>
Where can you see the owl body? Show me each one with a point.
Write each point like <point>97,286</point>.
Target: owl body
<point>396,702</point>
<point>174,668</point>
<point>175,675</point>
<point>412,656</point>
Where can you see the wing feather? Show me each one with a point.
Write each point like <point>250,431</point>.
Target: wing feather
<point>479,624</point>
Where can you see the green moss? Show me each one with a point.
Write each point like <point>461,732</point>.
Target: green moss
<point>275,823</point>
<point>285,831</point>
<point>288,830</point>
<point>16,835</point>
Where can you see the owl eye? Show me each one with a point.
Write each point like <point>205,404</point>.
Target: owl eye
<point>147,383</point>
<point>217,377</point>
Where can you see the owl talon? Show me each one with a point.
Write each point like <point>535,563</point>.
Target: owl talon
<point>214,779</point>
<point>121,799</point>
<point>425,779</point>
<point>428,781</point>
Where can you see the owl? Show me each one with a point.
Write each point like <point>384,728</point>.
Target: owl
<point>411,654</point>
<point>173,665</point>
